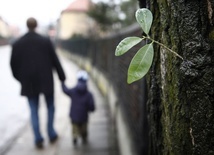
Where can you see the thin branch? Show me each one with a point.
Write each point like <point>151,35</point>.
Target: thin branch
<point>144,37</point>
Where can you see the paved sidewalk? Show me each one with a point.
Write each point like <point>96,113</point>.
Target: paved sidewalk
<point>13,108</point>
<point>99,142</point>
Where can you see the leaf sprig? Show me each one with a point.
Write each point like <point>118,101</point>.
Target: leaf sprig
<point>142,60</point>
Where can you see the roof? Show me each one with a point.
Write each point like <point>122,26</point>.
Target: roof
<point>78,5</point>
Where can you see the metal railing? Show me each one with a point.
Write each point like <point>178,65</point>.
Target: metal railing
<point>133,97</point>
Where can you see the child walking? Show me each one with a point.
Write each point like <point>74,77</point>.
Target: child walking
<point>82,103</point>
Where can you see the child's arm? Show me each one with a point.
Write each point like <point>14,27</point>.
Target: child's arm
<point>65,89</point>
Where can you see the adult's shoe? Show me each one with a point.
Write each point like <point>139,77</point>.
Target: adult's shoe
<point>53,140</point>
<point>39,145</point>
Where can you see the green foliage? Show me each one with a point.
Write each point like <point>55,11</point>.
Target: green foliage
<point>127,44</point>
<point>141,63</point>
<point>128,8</point>
<point>100,13</point>
<point>112,15</point>
<point>144,18</point>
<point>142,60</point>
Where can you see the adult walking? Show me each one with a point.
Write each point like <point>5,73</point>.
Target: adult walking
<point>33,59</point>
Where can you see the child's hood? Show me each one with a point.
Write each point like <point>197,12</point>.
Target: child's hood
<point>81,87</point>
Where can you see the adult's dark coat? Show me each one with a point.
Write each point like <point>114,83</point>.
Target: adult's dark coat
<point>32,62</point>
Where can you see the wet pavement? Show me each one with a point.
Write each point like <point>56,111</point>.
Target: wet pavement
<point>16,125</point>
<point>14,112</point>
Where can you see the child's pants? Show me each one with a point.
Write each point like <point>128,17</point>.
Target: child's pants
<point>79,129</point>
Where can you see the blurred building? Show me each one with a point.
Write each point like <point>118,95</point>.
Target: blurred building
<point>74,20</point>
<point>15,31</point>
<point>4,29</point>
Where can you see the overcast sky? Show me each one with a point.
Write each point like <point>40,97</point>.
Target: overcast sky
<point>15,12</point>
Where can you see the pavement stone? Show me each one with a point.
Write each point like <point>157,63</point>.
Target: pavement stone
<point>99,142</point>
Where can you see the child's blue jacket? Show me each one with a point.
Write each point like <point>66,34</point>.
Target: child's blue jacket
<point>82,102</point>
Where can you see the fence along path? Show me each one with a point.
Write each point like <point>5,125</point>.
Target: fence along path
<point>132,98</point>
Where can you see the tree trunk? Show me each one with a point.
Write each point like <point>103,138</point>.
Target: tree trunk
<point>180,103</point>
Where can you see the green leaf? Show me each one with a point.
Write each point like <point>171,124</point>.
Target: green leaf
<point>140,63</point>
<point>144,18</point>
<point>126,44</point>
